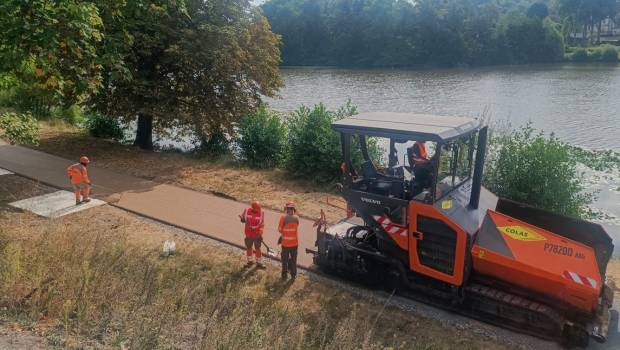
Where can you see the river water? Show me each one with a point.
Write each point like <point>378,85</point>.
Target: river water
<point>579,103</point>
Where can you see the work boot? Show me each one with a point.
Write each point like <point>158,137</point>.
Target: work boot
<point>86,200</point>
<point>259,263</point>
<point>78,201</point>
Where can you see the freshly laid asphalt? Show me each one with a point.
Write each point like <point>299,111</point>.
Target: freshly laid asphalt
<point>202,213</point>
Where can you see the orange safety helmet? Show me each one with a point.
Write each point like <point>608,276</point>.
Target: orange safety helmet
<point>84,160</point>
<point>256,205</point>
<point>290,205</point>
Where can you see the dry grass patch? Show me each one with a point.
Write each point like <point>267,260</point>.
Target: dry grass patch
<point>96,279</point>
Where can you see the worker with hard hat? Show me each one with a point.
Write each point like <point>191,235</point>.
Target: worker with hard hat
<point>254,220</point>
<point>78,175</point>
<point>288,228</point>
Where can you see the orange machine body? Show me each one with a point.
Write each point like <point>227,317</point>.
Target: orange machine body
<point>535,259</point>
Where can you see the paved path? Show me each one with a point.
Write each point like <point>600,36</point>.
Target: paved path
<point>198,212</point>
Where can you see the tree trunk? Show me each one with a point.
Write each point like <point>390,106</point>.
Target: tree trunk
<point>598,34</point>
<point>584,36</point>
<point>144,132</point>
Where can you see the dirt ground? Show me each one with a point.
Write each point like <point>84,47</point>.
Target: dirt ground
<point>224,177</point>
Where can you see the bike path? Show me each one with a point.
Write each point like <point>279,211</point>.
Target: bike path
<point>198,212</point>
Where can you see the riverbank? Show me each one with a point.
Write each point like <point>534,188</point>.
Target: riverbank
<point>95,279</point>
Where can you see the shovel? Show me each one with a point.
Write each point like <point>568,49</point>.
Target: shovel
<point>270,251</point>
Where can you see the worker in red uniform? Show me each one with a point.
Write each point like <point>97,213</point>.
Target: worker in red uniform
<point>288,226</point>
<point>254,220</point>
<point>78,175</point>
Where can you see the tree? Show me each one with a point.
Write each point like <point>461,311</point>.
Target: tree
<point>51,48</point>
<point>200,64</point>
<point>540,170</point>
<point>539,10</point>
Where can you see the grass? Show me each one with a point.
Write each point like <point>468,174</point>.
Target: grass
<point>96,279</point>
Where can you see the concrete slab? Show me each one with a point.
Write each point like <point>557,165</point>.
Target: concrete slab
<point>55,204</point>
<point>5,172</point>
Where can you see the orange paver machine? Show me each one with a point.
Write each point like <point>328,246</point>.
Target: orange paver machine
<point>422,223</point>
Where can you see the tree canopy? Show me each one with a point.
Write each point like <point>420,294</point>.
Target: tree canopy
<point>201,64</point>
<point>423,32</point>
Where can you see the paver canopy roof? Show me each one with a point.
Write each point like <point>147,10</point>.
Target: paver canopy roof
<point>407,126</point>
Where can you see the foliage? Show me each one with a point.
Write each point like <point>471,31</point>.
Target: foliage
<point>216,145</point>
<point>408,33</point>
<point>540,170</point>
<point>262,138</point>
<point>603,53</point>
<point>195,62</point>
<point>314,150</point>
<point>538,9</point>
<point>51,48</point>
<point>104,127</point>
<point>19,128</point>
<point>526,40</point>
<point>580,55</point>
<point>609,53</point>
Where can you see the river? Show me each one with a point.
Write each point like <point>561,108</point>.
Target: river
<point>579,103</point>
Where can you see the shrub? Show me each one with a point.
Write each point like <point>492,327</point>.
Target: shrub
<point>72,115</point>
<point>103,127</point>
<point>609,53</point>
<point>215,145</point>
<point>313,149</point>
<point>19,128</point>
<point>262,139</point>
<point>580,55</point>
<point>532,168</point>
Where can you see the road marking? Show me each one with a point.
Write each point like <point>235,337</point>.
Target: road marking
<point>5,172</point>
<point>56,204</point>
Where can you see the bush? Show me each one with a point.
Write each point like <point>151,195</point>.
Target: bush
<point>313,147</point>
<point>72,115</point>
<point>215,145</point>
<point>314,150</point>
<point>531,168</point>
<point>103,127</point>
<point>19,128</point>
<point>262,139</point>
<point>609,53</point>
<point>580,55</point>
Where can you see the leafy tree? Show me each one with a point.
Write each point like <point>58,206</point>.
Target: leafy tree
<point>527,40</point>
<point>540,170</point>
<point>51,48</point>
<point>198,63</point>
<point>407,33</point>
<point>262,138</point>
<point>539,10</point>
<point>19,128</point>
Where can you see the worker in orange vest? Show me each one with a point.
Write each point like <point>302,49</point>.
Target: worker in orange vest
<point>418,154</point>
<point>254,220</point>
<point>78,175</point>
<point>289,223</point>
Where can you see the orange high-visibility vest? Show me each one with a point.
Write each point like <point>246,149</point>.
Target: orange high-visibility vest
<point>78,173</point>
<point>254,222</point>
<point>288,228</point>
<point>422,147</point>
